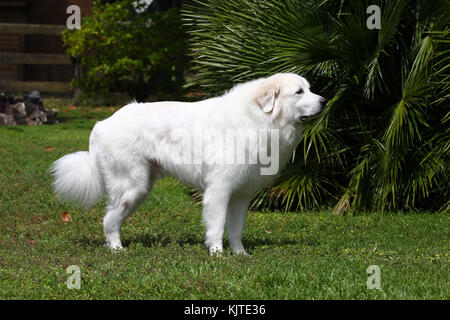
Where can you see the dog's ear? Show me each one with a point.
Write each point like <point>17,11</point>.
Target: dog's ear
<point>268,99</point>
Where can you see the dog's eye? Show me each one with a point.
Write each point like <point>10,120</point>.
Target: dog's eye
<point>300,91</point>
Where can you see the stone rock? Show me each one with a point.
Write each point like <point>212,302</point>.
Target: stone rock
<point>19,113</point>
<point>51,116</point>
<point>34,95</point>
<point>3,102</point>
<point>6,119</point>
<point>33,102</point>
<point>25,111</point>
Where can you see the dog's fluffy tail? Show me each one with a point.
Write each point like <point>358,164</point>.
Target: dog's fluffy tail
<point>78,179</point>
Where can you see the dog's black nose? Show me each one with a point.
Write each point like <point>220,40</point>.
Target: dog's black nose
<point>323,100</point>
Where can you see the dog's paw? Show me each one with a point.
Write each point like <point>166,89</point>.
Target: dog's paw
<point>114,247</point>
<point>216,251</point>
<point>239,252</point>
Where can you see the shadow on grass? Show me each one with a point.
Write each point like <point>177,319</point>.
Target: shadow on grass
<point>152,240</point>
<point>149,240</point>
<point>304,241</point>
<point>15,128</point>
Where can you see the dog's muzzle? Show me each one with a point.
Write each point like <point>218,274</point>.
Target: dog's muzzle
<point>322,101</point>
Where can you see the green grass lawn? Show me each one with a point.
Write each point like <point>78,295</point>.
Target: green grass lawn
<point>313,255</point>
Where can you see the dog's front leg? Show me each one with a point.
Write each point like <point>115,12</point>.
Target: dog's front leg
<point>215,203</point>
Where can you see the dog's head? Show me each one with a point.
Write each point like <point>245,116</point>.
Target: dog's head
<point>287,95</point>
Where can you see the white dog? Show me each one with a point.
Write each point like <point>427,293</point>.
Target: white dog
<point>142,142</point>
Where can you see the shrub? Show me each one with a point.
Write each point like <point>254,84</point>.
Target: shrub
<point>383,141</point>
<point>120,50</point>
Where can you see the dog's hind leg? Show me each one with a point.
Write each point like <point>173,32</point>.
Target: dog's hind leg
<point>126,191</point>
<point>235,222</point>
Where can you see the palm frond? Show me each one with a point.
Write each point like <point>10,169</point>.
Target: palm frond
<point>383,140</point>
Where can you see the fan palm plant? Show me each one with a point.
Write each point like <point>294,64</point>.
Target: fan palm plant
<point>382,143</point>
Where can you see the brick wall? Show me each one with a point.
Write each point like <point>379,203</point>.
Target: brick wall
<point>37,12</point>
<point>14,12</point>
